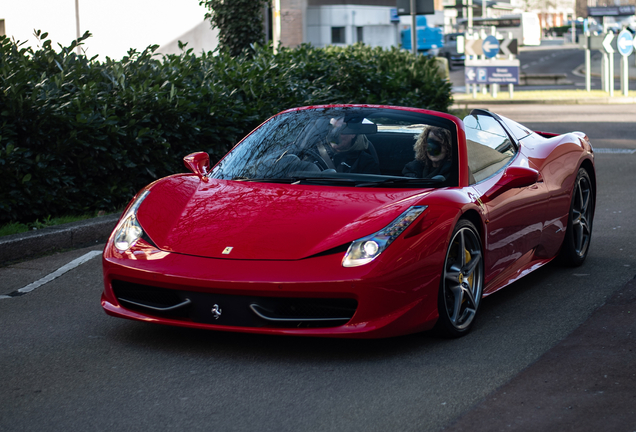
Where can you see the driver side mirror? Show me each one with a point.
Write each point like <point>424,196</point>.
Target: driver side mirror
<point>198,163</point>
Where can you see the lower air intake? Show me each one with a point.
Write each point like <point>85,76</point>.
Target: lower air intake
<point>234,310</point>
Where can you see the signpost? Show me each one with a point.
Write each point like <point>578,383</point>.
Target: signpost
<point>607,43</point>
<point>473,47</point>
<point>625,45</point>
<point>490,46</point>
<point>490,70</point>
<point>608,67</point>
<point>509,47</point>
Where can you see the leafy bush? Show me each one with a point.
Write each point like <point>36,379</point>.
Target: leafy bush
<point>78,135</point>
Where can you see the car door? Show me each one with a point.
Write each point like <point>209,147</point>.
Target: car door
<point>510,192</point>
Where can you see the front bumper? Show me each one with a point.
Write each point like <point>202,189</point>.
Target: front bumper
<point>312,297</point>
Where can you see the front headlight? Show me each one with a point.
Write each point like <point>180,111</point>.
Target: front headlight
<point>129,231</point>
<point>366,249</point>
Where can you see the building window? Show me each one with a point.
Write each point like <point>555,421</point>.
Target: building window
<point>337,35</point>
<point>359,34</point>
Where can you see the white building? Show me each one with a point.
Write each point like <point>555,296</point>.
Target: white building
<point>200,38</point>
<point>348,24</point>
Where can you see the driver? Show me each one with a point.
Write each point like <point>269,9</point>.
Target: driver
<point>349,150</point>
<point>432,154</point>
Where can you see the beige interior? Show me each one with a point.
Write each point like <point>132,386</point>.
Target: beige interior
<point>484,161</point>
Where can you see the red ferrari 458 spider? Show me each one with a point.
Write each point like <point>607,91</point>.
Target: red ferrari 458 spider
<point>352,221</point>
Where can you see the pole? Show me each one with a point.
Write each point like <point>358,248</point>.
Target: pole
<point>77,26</point>
<point>625,75</point>
<point>483,87</point>
<point>588,65</point>
<point>605,72</point>
<point>413,28</point>
<point>611,75</point>
<point>511,87</point>
<point>276,30</point>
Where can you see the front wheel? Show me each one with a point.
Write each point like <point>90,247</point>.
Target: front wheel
<point>462,282</point>
<point>579,230</point>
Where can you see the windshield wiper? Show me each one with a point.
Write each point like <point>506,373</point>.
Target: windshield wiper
<point>404,180</point>
<point>264,180</point>
<point>297,180</point>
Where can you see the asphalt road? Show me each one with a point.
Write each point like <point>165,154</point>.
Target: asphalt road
<point>552,58</point>
<point>64,364</point>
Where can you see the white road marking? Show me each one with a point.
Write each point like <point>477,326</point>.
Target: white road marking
<point>57,273</point>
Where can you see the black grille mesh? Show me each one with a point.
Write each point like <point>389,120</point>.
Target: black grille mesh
<point>236,310</point>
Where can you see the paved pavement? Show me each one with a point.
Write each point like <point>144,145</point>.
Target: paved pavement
<point>586,382</point>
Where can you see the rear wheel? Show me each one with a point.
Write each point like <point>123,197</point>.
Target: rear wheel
<point>462,282</point>
<point>579,230</point>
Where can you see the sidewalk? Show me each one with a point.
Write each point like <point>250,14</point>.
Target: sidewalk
<point>73,235</point>
<point>553,97</point>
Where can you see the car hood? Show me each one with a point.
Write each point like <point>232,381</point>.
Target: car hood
<point>241,220</point>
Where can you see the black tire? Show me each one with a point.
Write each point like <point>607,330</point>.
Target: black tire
<point>578,234</point>
<point>462,282</point>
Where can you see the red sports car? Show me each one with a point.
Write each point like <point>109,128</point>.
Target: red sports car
<point>352,221</point>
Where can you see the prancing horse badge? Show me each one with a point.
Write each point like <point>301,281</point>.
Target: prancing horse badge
<point>227,250</point>
<point>216,311</point>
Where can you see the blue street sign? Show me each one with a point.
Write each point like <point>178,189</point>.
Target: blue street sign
<point>625,43</point>
<point>490,46</point>
<point>394,15</point>
<point>480,73</point>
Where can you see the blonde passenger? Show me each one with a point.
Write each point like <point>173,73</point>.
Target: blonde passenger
<point>432,154</point>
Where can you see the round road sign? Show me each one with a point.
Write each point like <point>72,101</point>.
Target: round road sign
<point>625,43</point>
<point>490,46</point>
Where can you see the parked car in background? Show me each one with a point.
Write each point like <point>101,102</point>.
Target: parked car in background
<point>449,50</point>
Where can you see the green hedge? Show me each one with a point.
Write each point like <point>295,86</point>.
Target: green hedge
<point>79,135</point>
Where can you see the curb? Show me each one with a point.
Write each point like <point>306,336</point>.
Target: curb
<point>66,236</point>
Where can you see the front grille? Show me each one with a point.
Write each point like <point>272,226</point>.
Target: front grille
<point>234,310</point>
<point>144,298</point>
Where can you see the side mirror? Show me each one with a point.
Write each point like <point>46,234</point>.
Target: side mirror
<point>198,163</point>
<point>513,177</point>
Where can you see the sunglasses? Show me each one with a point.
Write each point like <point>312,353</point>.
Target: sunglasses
<point>433,147</point>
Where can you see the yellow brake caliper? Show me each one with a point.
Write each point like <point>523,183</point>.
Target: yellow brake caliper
<point>467,258</point>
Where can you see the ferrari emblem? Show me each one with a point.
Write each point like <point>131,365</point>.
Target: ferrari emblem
<point>216,311</point>
<point>227,250</point>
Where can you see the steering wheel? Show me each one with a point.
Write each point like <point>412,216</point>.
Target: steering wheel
<point>311,155</point>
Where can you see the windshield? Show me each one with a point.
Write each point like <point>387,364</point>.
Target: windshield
<point>347,146</point>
